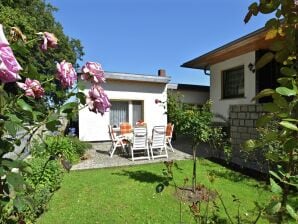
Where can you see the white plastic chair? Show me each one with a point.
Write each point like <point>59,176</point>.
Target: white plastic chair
<point>139,143</point>
<point>158,142</point>
<point>117,141</point>
<point>169,135</point>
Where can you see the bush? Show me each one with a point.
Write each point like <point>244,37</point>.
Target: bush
<point>45,177</point>
<point>79,147</point>
<point>70,147</point>
<point>45,174</point>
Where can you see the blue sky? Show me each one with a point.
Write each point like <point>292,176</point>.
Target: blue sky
<point>142,36</point>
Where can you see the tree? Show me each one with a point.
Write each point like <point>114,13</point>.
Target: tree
<point>191,121</point>
<point>279,127</point>
<point>35,81</point>
<point>31,17</point>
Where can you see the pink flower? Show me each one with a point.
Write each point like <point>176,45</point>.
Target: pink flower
<point>49,40</point>
<point>93,71</point>
<point>9,67</point>
<point>66,74</point>
<point>97,100</point>
<point>32,88</point>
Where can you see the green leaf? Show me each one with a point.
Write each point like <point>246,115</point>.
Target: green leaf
<point>277,45</point>
<point>268,6</point>
<point>262,121</point>
<point>290,119</point>
<point>11,128</point>
<point>6,145</point>
<point>15,180</point>
<point>270,107</point>
<point>284,81</point>
<point>53,125</point>
<point>280,101</point>
<point>275,175</point>
<point>290,144</point>
<point>82,97</point>
<point>25,106</point>
<point>250,144</point>
<point>292,212</point>
<point>290,72</point>
<point>81,86</point>
<point>14,118</point>
<point>275,188</point>
<point>20,203</point>
<point>274,207</point>
<point>272,23</point>
<point>282,55</point>
<point>68,106</point>
<point>289,125</point>
<point>263,93</point>
<point>264,60</point>
<point>270,136</point>
<point>285,91</point>
<point>32,72</point>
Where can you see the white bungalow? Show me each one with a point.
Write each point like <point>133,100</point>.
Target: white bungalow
<point>133,97</point>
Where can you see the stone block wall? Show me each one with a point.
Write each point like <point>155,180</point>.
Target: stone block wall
<point>242,119</point>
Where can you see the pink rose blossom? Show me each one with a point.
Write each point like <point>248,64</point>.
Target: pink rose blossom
<point>97,100</point>
<point>32,88</point>
<point>93,71</point>
<point>66,74</point>
<point>49,40</point>
<point>9,67</point>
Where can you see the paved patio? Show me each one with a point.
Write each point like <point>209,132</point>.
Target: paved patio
<point>98,156</point>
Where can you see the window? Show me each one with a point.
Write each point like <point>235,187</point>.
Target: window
<point>137,111</point>
<point>119,112</point>
<point>233,83</point>
<point>126,111</point>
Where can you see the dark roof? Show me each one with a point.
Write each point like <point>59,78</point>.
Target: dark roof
<point>189,87</point>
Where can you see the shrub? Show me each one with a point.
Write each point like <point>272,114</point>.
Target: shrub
<point>79,146</point>
<point>70,147</point>
<point>45,174</point>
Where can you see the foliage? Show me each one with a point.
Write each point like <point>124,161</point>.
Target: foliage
<point>174,106</point>
<point>278,128</point>
<point>26,15</point>
<point>220,142</point>
<point>191,121</point>
<point>45,178</point>
<point>46,173</point>
<point>70,147</point>
<point>34,107</point>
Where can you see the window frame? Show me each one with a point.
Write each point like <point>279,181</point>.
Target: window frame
<point>225,73</point>
<point>130,110</point>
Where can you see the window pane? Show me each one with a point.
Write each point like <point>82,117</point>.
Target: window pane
<point>233,82</point>
<point>137,111</point>
<point>118,112</point>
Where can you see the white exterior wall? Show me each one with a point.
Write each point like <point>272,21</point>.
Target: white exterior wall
<point>221,106</point>
<point>194,97</point>
<point>94,127</point>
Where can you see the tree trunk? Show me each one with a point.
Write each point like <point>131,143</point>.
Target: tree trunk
<point>194,170</point>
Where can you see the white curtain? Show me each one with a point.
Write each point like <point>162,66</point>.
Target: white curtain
<point>118,112</point>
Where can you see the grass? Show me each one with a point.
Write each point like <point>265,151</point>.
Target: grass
<point>128,195</point>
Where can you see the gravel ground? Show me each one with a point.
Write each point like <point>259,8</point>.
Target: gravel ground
<point>98,156</point>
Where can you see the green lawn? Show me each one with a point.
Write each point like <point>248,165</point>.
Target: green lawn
<point>127,194</point>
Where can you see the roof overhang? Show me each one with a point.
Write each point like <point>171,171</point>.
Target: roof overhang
<point>136,77</point>
<point>251,42</point>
